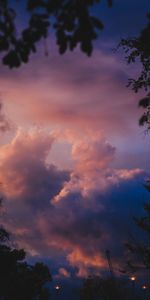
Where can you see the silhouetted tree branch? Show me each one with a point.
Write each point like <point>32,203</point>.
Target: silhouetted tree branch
<point>96,287</point>
<point>18,279</point>
<point>140,250</point>
<point>70,20</point>
<point>138,50</point>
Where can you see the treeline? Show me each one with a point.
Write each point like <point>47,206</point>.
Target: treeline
<point>18,279</point>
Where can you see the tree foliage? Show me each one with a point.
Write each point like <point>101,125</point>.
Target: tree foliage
<point>70,20</point>
<point>18,279</point>
<point>96,287</point>
<point>137,49</point>
<point>140,250</point>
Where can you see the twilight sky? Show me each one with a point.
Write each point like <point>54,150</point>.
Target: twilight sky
<point>72,156</point>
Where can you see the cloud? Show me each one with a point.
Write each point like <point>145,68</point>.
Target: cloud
<point>70,217</point>
<point>92,174</point>
<point>4,124</point>
<point>75,91</point>
<point>83,262</point>
<point>62,272</point>
<point>24,172</point>
<point>93,199</point>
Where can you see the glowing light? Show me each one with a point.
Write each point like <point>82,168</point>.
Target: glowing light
<point>144,287</point>
<point>57,287</point>
<point>132,278</point>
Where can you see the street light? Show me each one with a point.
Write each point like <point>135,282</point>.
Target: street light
<point>58,290</point>
<point>57,287</point>
<point>144,288</point>
<point>133,279</point>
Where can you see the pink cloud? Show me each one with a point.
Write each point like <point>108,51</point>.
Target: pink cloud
<point>50,211</point>
<point>92,172</point>
<point>73,226</point>
<point>75,92</point>
<point>63,273</point>
<point>78,93</point>
<point>17,157</point>
<point>83,261</point>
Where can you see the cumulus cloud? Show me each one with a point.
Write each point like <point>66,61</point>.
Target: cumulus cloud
<point>79,93</point>
<point>23,168</point>
<point>83,261</point>
<point>74,91</point>
<point>92,174</point>
<point>69,214</point>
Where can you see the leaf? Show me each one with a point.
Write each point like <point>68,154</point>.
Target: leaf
<point>11,59</point>
<point>86,46</point>
<point>4,44</point>
<point>143,120</point>
<point>145,102</point>
<point>97,23</point>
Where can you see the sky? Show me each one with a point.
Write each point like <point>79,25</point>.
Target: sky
<point>73,158</point>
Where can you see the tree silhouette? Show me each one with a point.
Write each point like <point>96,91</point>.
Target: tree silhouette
<point>18,279</point>
<point>96,287</point>
<point>140,250</point>
<point>71,21</point>
<point>137,49</point>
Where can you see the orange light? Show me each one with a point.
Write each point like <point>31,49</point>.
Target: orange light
<point>132,278</point>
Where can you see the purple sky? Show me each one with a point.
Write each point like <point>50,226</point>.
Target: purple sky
<point>72,156</point>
